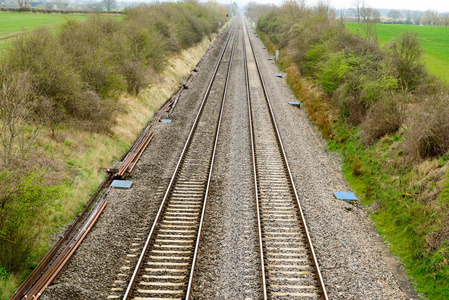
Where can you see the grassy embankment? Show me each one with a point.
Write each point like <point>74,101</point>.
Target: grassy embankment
<point>390,127</point>
<point>13,23</point>
<point>434,40</point>
<point>70,150</point>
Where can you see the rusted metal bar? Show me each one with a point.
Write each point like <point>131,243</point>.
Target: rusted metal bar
<point>189,80</point>
<point>45,279</point>
<point>67,257</point>
<point>131,170</point>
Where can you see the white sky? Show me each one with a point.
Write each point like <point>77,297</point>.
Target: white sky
<point>438,5</point>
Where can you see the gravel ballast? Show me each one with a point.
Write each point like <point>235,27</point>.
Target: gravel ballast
<point>354,261</point>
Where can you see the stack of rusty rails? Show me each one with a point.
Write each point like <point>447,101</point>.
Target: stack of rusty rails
<point>136,150</point>
<point>56,259</point>
<point>129,160</point>
<point>188,80</point>
<point>174,100</point>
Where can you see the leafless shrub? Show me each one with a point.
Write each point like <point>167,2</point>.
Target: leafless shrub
<point>385,117</point>
<point>370,18</point>
<point>428,128</point>
<point>95,114</point>
<point>352,110</point>
<point>135,77</point>
<point>17,133</point>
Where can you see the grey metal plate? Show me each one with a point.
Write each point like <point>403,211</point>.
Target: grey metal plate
<point>122,184</point>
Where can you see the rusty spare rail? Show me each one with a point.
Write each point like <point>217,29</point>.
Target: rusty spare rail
<point>36,291</point>
<point>129,160</point>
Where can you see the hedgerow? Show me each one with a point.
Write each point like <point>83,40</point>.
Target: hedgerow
<point>80,70</point>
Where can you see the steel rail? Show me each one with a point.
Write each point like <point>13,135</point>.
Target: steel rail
<point>192,270</point>
<point>170,186</point>
<point>290,177</point>
<point>60,262</point>
<point>253,157</point>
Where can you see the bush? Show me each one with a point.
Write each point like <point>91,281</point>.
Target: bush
<point>428,128</point>
<point>4,274</point>
<point>16,114</point>
<point>385,117</point>
<point>87,64</point>
<point>51,69</point>
<point>25,201</point>
<point>87,43</point>
<point>406,54</point>
<point>333,71</point>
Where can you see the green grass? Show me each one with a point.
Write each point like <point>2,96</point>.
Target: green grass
<point>13,23</point>
<point>435,42</point>
<point>377,175</point>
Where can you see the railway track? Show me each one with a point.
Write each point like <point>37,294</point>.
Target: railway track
<point>166,264</point>
<point>289,268</point>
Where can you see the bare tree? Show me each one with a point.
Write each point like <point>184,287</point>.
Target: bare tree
<point>17,134</point>
<point>394,14</point>
<point>357,9</point>
<point>430,18</point>
<point>369,17</point>
<point>109,4</point>
<point>417,17</point>
<point>294,8</point>
<point>24,3</point>
<point>445,19</point>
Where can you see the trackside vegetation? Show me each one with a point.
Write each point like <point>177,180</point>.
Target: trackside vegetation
<point>389,119</point>
<point>62,92</point>
<point>433,39</point>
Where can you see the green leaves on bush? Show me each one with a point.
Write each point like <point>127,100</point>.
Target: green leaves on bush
<point>332,72</point>
<point>4,274</point>
<point>25,203</point>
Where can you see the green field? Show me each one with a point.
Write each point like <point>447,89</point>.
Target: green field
<point>13,23</point>
<point>435,41</point>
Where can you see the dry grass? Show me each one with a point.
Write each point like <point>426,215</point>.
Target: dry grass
<point>7,287</point>
<point>317,105</point>
<point>428,128</point>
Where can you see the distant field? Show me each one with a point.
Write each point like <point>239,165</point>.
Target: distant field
<point>435,41</point>
<point>12,23</point>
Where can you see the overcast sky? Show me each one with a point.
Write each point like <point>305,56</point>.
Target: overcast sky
<point>438,5</point>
